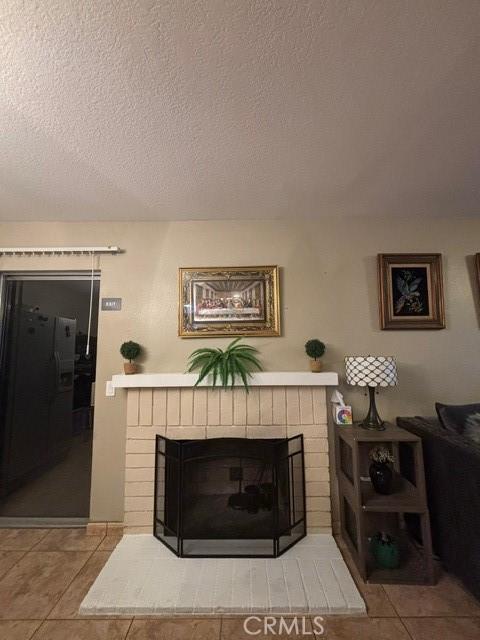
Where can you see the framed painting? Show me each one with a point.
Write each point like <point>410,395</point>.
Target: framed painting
<point>228,301</point>
<point>411,291</point>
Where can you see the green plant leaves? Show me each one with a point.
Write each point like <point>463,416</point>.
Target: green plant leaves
<point>236,362</point>
<point>130,350</point>
<point>315,348</point>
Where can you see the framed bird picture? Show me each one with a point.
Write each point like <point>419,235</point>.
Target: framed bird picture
<point>411,291</point>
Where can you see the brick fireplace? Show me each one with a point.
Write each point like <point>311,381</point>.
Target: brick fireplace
<point>279,405</point>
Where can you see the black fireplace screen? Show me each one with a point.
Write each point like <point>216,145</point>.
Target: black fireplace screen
<point>229,497</point>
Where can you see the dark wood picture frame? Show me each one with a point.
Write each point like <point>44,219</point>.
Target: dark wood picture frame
<point>411,291</point>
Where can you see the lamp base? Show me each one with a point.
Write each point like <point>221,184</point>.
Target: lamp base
<point>372,420</point>
<point>372,426</point>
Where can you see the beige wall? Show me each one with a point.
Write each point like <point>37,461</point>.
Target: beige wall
<point>329,291</point>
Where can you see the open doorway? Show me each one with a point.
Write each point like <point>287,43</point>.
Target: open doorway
<point>47,382</point>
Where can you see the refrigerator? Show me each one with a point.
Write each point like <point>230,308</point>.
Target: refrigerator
<point>37,395</point>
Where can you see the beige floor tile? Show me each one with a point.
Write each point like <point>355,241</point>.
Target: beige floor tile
<point>83,630</point>
<point>67,606</point>
<point>447,628</point>
<point>109,542</point>
<point>96,528</point>
<point>175,629</point>
<point>69,540</point>
<point>8,559</point>
<point>364,629</point>
<point>18,629</point>
<point>447,598</point>
<point>267,627</point>
<point>20,539</point>
<point>34,585</point>
<point>377,601</point>
<point>116,528</point>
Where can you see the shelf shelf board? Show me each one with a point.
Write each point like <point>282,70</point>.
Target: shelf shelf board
<point>404,499</point>
<point>392,433</point>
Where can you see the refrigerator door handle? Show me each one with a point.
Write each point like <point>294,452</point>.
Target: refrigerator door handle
<point>56,358</point>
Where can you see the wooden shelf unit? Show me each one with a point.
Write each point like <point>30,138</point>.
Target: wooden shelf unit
<point>363,512</point>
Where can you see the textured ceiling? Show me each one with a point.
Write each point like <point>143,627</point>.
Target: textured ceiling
<point>197,109</point>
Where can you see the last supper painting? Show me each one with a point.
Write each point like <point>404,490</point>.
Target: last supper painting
<point>223,301</point>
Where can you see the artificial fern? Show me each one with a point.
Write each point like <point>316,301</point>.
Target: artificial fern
<point>237,361</point>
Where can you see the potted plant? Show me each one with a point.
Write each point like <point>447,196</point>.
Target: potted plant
<point>130,351</point>
<point>229,366</point>
<point>381,473</point>
<point>315,350</point>
<point>385,550</point>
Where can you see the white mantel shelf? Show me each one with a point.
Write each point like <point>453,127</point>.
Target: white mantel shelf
<point>261,379</point>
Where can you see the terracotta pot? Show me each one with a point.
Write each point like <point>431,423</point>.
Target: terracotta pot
<point>130,367</point>
<point>315,365</point>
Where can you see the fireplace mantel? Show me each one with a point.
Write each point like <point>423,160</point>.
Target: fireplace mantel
<point>261,379</point>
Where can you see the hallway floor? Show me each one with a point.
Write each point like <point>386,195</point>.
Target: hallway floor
<point>68,481</point>
<point>45,574</point>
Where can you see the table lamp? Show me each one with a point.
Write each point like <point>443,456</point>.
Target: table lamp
<point>371,372</point>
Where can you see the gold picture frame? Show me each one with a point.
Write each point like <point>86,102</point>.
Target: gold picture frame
<point>228,301</point>
<point>411,291</point>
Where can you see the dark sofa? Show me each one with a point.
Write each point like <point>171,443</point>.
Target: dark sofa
<point>452,470</point>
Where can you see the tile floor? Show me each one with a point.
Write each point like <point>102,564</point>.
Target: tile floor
<point>45,574</point>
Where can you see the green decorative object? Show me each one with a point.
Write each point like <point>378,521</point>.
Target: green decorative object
<point>315,349</point>
<point>385,550</point>
<point>130,351</point>
<point>236,362</point>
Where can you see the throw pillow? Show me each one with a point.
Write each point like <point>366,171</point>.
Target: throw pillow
<point>472,427</point>
<point>462,419</point>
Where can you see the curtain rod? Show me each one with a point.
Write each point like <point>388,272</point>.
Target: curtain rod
<point>12,251</point>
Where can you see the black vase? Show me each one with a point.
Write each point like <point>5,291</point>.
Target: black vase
<point>381,476</point>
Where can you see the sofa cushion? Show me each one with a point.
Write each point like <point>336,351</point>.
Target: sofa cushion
<point>462,419</point>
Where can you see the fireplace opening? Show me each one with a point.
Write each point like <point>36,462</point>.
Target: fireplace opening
<point>229,497</point>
